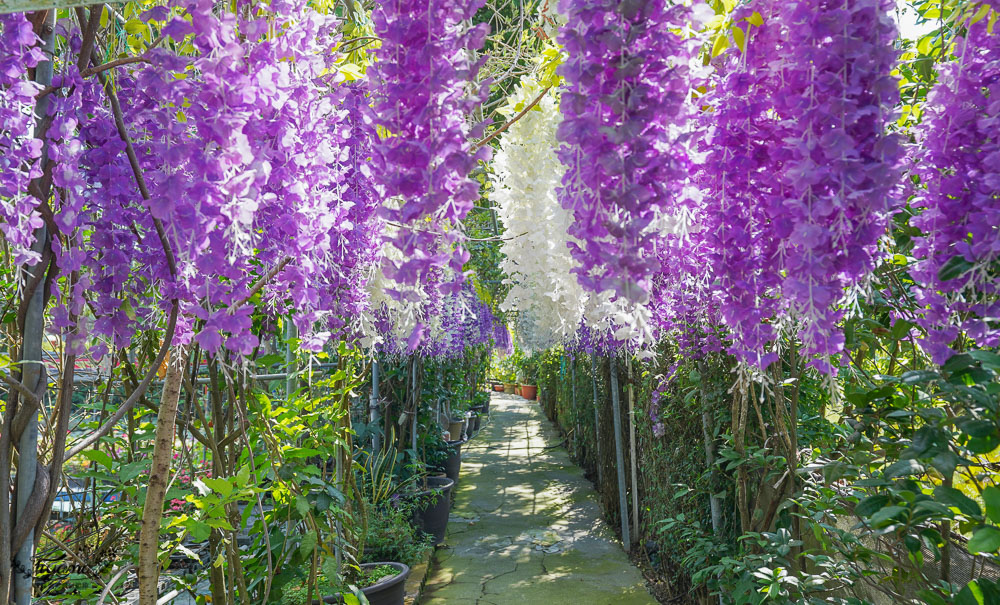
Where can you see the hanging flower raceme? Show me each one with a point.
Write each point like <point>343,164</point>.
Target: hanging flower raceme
<point>734,232</point>
<point>425,93</point>
<point>19,149</point>
<point>257,181</point>
<point>839,166</point>
<point>536,251</point>
<point>626,108</point>
<point>801,168</point>
<point>958,161</point>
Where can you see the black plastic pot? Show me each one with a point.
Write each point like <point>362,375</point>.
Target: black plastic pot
<point>475,423</point>
<point>433,506</point>
<point>390,591</point>
<point>453,464</point>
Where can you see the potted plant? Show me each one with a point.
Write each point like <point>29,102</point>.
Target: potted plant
<point>456,427</point>
<point>382,583</point>
<point>528,374</point>
<point>453,463</point>
<point>431,500</point>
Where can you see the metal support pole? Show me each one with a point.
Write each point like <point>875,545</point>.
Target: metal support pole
<point>416,402</point>
<point>31,357</point>
<point>619,454</point>
<point>576,415</point>
<point>597,424</point>
<point>373,409</point>
<point>632,447</point>
<point>290,360</point>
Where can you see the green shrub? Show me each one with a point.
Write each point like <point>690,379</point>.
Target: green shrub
<point>391,536</point>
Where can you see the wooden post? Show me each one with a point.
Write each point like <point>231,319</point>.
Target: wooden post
<point>619,454</point>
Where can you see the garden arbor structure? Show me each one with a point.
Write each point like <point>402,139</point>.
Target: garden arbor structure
<point>771,226</point>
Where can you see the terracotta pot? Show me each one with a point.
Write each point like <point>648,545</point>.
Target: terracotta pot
<point>498,388</point>
<point>390,591</point>
<point>434,504</point>
<point>529,391</point>
<point>508,387</point>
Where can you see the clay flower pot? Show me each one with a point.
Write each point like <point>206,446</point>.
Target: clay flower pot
<point>529,391</point>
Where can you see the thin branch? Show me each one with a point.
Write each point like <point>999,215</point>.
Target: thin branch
<point>497,132</point>
<point>18,386</point>
<point>260,283</point>
<point>140,180</point>
<point>105,428</point>
<point>98,69</point>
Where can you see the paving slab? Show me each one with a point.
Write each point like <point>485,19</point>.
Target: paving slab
<point>526,526</point>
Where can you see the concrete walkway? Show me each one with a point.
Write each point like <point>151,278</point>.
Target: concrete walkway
<point>526,526</point>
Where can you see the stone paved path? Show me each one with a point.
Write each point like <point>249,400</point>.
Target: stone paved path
<point>526,526</point>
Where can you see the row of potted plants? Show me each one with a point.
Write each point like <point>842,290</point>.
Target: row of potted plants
<point>414,516</point>
<point>528,391</point>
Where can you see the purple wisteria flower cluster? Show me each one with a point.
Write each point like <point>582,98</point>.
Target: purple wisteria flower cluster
<point>800,169</point>
<point>19,148</point>
<point>424,91</point>
<point>958,162</point>
<point>254,162</point>
<point>626,105</point>
<point>462,321</point>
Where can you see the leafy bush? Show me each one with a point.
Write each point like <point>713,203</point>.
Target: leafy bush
<point>391,536</point>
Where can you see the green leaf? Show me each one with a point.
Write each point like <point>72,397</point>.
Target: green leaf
<point>309,541</point>
<point>720,45</point>
<point>918,376</point>
<point>302,505</point>
<point>986,539</point>
<point>300,452</point>
<point>956,499</point>
<point>904,468</point>
<point>198,531</point>
<point>885,515</point>
<point>954,268</point>
<point>991,496</point>
<point>98,456</point>
<point>222,486</point>
<point>739,37</point>
<point>869,505</point>
<point>988,359</point>
<point>900,329</point>
<point>755,19</point>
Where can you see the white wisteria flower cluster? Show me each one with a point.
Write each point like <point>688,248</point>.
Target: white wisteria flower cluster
<point>538,261</point>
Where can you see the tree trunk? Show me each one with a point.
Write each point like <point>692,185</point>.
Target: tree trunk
<point>152,512</point>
